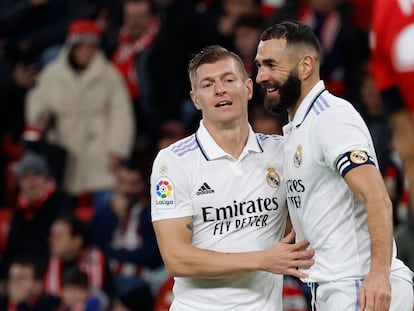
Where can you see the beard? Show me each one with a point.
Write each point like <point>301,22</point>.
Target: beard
<point>289,93</point>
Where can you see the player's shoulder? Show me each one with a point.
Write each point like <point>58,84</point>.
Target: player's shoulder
<point>269,141</point>
<point>329,107</point>
<point>181,148</point>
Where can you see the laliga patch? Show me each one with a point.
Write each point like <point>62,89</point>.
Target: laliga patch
<point>272,177</point>
<point>164,191</point>
<point>358,157</point>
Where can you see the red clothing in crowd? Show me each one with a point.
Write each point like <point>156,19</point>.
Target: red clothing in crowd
<point>128,48</point>
<point>91,261</point>
<point>393,55</point>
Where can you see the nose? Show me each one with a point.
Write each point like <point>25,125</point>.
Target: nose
<point>219,88</point>
<point>262,75</point>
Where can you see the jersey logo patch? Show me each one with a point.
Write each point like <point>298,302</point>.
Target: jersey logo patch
<point>297,157</point>
<point>272,177</point>
<point>204,189</point>
<point>163,169</point>
<point>358,157</point>
<point>164,190</point>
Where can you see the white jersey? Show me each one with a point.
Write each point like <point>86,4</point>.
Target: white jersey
<point>237,205</point>
<point>322,207</point>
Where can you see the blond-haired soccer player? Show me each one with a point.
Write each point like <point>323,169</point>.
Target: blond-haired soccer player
<point>218,200</point>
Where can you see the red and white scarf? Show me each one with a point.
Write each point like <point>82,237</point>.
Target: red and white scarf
<point>128,48</point>
<point>91,261</point>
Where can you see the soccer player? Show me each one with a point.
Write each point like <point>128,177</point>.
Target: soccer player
<point>219,202</point>
<point>336,196</point>
<point>393,70</point>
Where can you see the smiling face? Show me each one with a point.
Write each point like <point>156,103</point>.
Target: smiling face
<point>278,75</point>
<point>221,90</point>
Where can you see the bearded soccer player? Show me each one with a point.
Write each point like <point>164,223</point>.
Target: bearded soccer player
<point>336,196</point>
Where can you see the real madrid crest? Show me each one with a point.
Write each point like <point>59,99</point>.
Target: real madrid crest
<point>272,177</point>
<point>297,158</point>
<point>358,157</point>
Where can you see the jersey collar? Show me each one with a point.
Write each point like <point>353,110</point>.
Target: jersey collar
<point>212,151</point>
<point>307,103</point>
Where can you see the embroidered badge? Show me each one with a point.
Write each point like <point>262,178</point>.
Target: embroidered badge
<point>272,177</point>
<point>358,157</point>
<point>297,158</point>
<point>164,190</point>
<point>163,169</point>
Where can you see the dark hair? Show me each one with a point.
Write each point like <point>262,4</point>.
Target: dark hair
<point>294,32</point>
<point>74,276</point>
<point>255,21</point>
<point>38,265</point>
<point>134,163</point>
<point>76,227</point>
<point>210,55</point>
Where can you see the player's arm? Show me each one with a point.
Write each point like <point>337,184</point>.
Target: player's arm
<point>367,184</point>
<point>181,258</point>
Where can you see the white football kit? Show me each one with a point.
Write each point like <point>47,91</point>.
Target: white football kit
<point>326,138</point>
<point>237,205</point>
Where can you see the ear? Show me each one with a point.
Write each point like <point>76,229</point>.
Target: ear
<point>194,99</point>
<point>249,88</point>
<point>307,67</point>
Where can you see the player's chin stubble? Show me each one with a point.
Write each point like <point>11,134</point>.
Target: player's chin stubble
<point>289,93</point>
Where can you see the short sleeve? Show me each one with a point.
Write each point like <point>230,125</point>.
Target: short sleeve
<point>170,188</point>
<point>340,132</point>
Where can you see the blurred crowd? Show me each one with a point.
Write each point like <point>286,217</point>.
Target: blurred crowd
<point>90,90</point>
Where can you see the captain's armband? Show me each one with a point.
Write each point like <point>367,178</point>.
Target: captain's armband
<point>349,160</point>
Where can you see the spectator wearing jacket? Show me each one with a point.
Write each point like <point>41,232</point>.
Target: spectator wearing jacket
<point>89,102</point>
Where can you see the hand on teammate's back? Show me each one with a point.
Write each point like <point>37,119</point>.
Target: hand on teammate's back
<point>285,257</point>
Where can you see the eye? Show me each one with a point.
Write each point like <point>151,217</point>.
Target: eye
<point>206,85</point>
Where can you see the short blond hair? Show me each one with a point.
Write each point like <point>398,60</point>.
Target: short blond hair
<point>210,55</point>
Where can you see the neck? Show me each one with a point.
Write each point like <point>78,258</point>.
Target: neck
<point>307,86</point>
<point>231,139</point>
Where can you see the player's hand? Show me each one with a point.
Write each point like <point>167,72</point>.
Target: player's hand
<point>375,293</point>
<point>285,257</point>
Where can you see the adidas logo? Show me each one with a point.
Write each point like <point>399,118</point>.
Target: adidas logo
<point>204,189</point>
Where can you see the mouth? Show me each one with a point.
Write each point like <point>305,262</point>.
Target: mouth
<point>223,104</point>
<point>271,90</point>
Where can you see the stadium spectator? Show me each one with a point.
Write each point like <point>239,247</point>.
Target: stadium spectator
<point>38,204</point>
<point>124,231</point>
<point>76,292</point>
<point>341,45</point>
<point>69,248</point>
<point>89,102</point>
<point>147,58</point>
<point>25,287</point>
